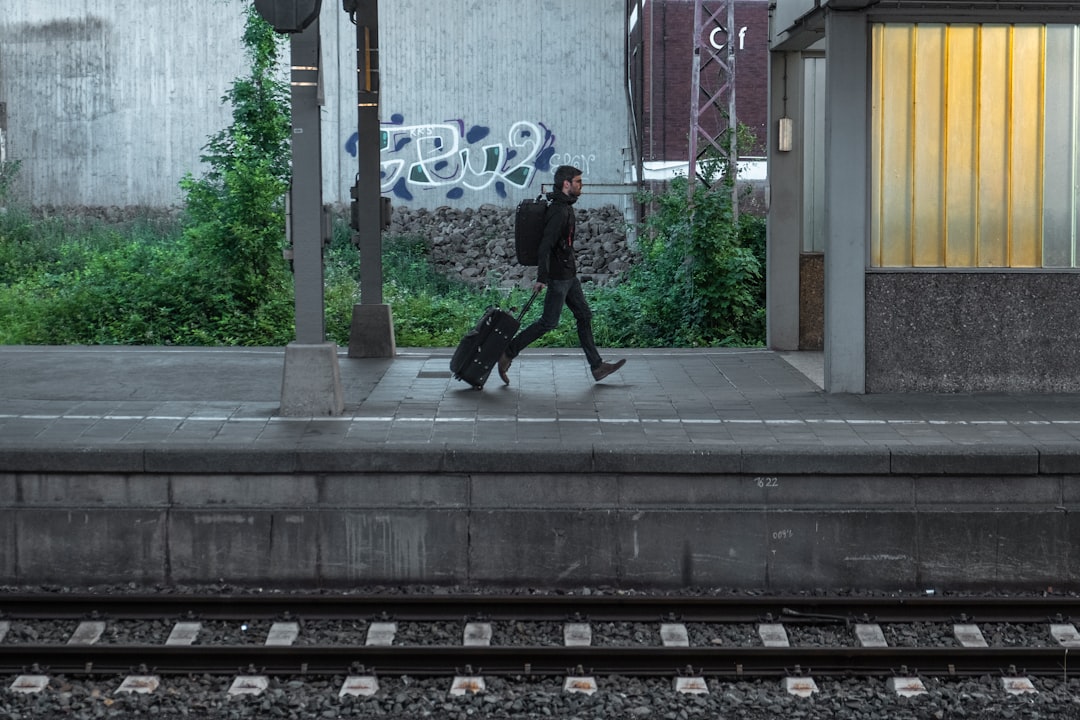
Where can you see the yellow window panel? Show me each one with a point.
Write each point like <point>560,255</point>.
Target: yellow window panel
<point>961,155</point>
<point>896,150</point>
<point>992,128</point>
<point>877,115</point>
<point>1060,146</point>
<point>959,145</point>
<point>1026,153</point>
<point>928,138</point>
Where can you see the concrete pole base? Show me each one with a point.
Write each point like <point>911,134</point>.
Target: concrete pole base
<point>371,334</point>
<point>311,383</point>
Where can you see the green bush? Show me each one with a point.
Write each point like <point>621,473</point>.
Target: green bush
<point>235,214</point>
<point>700,280</point>
<point>27,246</point>
<point>101,285</point>
<point>429,309</point>
<point>68,281</point>
<point>220,279</point>
<point>9,171</point>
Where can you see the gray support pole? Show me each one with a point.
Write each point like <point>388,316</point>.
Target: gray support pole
<point>372,330</point>
<point>368,186</point>
<point>305,193</point>
<point>785,198</point>
<point>311,382</point>
<point>846,201</point>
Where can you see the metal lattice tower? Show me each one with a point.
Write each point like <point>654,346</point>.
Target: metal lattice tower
<point>712,94</point>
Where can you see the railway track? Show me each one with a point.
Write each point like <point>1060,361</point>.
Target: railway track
<point>752,608</point>
<point>668,654</point>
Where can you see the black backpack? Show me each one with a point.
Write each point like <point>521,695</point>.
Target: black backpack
<point>529,229</point>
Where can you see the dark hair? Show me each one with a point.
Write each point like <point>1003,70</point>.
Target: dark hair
<point>565,173</point>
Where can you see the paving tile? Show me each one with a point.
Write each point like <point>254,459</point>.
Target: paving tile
<point>716,397</point>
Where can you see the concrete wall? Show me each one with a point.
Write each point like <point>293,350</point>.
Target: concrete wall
<point>544,81</point>
<point>111,104</point>
<point>821,517</point>
<point>972,331</point>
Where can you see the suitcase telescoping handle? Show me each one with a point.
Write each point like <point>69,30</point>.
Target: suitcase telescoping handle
<point>536,291</point>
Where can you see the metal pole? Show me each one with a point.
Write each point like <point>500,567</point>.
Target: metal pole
<point>733,121</point>
<point>311,381</point>
<point>368,181</point>
<point>716,88</point>
<point>695,101</point>
<point>372,330</point>
<point>305,192</point>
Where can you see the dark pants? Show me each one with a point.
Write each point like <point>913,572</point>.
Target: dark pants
<point>559,293</point>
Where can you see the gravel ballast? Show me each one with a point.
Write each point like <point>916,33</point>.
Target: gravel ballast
<point>529,697</point>
<point>616,697</point>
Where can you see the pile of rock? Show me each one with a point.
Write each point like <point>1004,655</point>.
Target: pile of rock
<point>477,244</point>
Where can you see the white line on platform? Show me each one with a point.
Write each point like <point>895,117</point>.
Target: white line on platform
<point>302,418</point>
<point>503,419</point>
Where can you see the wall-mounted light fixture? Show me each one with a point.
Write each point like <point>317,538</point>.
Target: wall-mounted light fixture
<point>784,137</point>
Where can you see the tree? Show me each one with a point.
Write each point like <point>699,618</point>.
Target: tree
<point>235,214</point>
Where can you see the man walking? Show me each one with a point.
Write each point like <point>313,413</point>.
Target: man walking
<point>557,271</point>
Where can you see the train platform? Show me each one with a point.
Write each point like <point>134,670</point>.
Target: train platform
<point>732,468</point>
<point>116,397</point>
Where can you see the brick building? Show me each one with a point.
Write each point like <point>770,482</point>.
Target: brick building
<point>661,62</point>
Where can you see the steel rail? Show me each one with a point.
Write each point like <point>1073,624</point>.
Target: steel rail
<point>515,661</point>
<point>791,609</point>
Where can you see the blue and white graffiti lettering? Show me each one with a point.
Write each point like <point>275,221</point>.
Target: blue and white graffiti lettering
<point>581,161</point>
<point>444,156</point>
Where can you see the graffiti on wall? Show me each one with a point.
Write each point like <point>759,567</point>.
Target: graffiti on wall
<point>582,161</point>
<point>448,157</point>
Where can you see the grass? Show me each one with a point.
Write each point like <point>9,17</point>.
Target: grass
<point>66,280</point>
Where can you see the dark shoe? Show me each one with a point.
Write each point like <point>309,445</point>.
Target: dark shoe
<point>504,365</point>
<point>602,370</point>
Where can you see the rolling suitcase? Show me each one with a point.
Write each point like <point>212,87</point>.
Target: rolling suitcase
<point>482,346</point>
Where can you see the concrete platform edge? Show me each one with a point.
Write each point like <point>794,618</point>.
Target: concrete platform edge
<point>430,457</point>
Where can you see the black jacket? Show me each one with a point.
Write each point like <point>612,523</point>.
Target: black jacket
<point>556,254</point>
